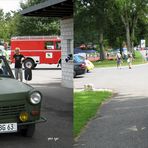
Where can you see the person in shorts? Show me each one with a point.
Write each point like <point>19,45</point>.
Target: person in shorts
<point>129,60</point>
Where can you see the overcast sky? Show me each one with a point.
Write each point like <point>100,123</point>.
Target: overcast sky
<point>8,5</point>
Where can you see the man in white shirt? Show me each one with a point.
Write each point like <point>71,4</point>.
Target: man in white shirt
<point>118,57</point>
<point>4,52</point>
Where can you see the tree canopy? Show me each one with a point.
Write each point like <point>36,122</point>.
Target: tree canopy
<point>117,20</point>
<point>14,24</point>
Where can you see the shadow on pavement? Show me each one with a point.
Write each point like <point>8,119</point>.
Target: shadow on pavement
<point>55,84</point>
<point>42,69</point>
<point>47,69</point>
<point>79,77</point>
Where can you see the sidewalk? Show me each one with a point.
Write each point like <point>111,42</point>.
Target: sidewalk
<point>121,123</point>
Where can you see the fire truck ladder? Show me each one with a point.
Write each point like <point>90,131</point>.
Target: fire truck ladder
<point>34,37</point>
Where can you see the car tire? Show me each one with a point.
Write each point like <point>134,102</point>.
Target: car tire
<point>35,65</point>
<point>28,131</point>
<point>29,63</point>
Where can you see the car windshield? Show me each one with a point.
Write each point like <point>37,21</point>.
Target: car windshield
<point>4,69</point>
<point>78,58</point>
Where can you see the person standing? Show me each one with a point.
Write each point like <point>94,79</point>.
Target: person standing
<point>129,60</point>
<point>18,64</point>
<point>118,57</point>
<point>6,52</point>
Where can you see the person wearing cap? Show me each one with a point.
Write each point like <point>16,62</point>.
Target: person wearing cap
<point>18,64</point>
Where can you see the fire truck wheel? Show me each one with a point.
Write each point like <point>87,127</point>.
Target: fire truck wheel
<point>29,63</point>
<point>35,65</point>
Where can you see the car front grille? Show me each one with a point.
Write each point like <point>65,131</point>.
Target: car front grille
<point>11,110</point>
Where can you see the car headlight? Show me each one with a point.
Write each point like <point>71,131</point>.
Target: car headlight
<point>35,98</point>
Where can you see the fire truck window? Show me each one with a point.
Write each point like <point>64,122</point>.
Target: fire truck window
<point>49,45</point>
<point>58,45</point>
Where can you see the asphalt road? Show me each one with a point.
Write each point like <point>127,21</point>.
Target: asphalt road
<point>56,107</point>
<point>122,121</point>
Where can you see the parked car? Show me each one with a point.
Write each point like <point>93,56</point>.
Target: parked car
<point>20,103</point>
<point>79,66</point>
<point>89,64</point>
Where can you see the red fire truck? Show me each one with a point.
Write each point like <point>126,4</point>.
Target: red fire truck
<point>38,49</point>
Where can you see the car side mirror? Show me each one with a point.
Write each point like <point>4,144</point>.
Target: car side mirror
<point>28,74</point>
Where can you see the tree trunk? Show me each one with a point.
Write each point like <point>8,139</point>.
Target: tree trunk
<point>102,56</point>
<point>127,28</point>
<point>128,38</point>
<point>132,40</point>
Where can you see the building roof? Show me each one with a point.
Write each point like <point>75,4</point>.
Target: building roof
<point>51,8</point>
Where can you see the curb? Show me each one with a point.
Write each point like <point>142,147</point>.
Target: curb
<point>115,67</point>
<point>99,89</point>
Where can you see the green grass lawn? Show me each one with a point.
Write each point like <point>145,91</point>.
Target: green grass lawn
<point>86,104</point>
<point>112,63</point>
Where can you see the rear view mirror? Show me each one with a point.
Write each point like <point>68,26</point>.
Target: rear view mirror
<point>28,74</point>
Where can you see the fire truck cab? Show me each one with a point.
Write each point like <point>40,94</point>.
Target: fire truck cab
<point>37,49</point>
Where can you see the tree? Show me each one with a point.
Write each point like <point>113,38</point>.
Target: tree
<point>29,3</point>
<point>14,24</point>
<point>95,12</point>
<point>36,25</point>
<point>93,17</point>
<point>130,11</point>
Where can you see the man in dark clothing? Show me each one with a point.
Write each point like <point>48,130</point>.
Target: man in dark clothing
<point>18,64</point>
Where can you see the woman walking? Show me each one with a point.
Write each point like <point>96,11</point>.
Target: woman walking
<point>129,60</point>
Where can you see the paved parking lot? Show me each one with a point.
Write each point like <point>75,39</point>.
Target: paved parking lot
<point>56,107</point>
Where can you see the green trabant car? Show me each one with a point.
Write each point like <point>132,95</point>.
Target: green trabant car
<point>19,103</point>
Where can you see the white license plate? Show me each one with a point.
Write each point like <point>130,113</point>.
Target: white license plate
<point>8,127</point>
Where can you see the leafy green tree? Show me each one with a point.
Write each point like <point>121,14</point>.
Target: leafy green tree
<point>36,25</point>
<point>130,11</point>
<point>93,14</point>
<point>14,24</point>
<point>30,3</point>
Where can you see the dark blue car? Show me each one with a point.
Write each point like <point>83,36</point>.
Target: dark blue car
<point>79,66</point>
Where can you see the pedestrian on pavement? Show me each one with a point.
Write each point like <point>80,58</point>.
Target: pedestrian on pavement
<point>18,64</point>
<point>119,60</point>
<point>129,60</point>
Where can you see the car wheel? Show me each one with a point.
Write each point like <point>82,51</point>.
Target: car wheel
<point>28,131</point>
<point>29,64</point>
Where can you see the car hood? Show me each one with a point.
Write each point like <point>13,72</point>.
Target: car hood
<point>13,86</point>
